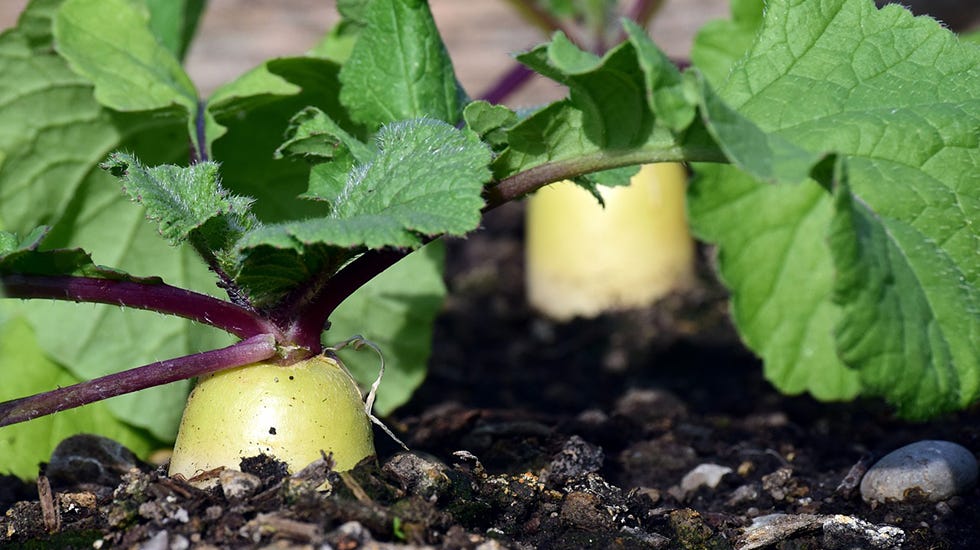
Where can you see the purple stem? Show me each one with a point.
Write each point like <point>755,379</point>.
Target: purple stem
<point>200,134</point>
<point>642,11</point>
<point>158,297</point>
<point>312,319</point>
<point>252,350</point>
<point>508,83</point>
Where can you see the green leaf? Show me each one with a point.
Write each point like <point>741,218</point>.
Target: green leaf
<point>425,180</point>
<point>664,85</point>
<point>399,68</point>
<point>774,256</point>
<point>34,23</point>
<point>28,371</point>
<point>255,88</point>
<point>906,322</point>
<point>313,136</point>
<point>766,155</point>
<point>631,106</point>
<point>22,257</point>
<point>490,122</point>
<point>188,203</point>
<point>611,91</point>
<point>275,266</point>
<point>255,127</point>
<point>897,98</point>
<point>719,44</point>
<point>173,22</point>
<point>397,311</point>
<point>9,242</point>
<point>554,136</point>
<point>110,43</point>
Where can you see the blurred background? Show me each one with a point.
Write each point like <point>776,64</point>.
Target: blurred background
<point>236,35</point>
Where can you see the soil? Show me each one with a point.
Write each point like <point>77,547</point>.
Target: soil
<point>533,434</point>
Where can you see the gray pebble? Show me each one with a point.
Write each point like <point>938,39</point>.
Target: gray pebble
<point>418,473</point>
<point>577,459</point>
<point>935,469</point>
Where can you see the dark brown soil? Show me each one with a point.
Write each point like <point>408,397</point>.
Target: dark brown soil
<point>531,434</point>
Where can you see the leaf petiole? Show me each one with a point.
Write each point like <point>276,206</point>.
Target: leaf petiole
<point>252,350</point>
<point>159,297</point>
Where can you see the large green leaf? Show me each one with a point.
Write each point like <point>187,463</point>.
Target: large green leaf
<point>399,68</point>
<point>897,98</point>
<point>111,43</point>
<point>26,370</point>
<point>910,311</point>
<point>773,254</point>
<point>609,90</point>
<point>53,135</point>
<point>396,310</point>
<point>630,106</point>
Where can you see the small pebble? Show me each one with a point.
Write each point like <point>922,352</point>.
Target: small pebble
<point>418,473</point>
<point>576,459</point>
<point>937,470</point>
<point>704,475</point>
<point>743,494</point>
<point>238,485</point>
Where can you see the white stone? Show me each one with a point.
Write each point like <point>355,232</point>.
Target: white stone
<point>704,475</point>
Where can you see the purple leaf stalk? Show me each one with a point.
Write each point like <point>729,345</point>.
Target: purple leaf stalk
<point>250,350</point>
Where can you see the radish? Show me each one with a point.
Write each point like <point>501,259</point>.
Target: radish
<point>291,413</point>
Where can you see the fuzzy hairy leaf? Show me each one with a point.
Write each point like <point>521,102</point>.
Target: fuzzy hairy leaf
<point>313,136</point>
<point>425,180</point>
<point>187,202</point>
